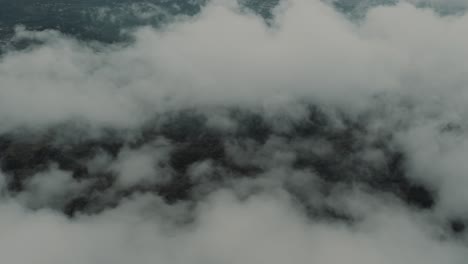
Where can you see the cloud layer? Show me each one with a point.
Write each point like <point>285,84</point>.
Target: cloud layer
<point>228,137</point>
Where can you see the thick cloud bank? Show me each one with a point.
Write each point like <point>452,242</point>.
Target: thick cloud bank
<point>294,131</point>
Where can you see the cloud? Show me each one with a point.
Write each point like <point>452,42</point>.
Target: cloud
<point>265,228</point>
<point>50,188</point>
<point>220,56</point>
<point>228,138</point>
<point>223,56</point>
<point>143,166</point>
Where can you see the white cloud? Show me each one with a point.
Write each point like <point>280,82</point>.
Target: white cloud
<point>147,165</point>
<point>224,56</point>
<point>402,67</point>
<point>264,228</point>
